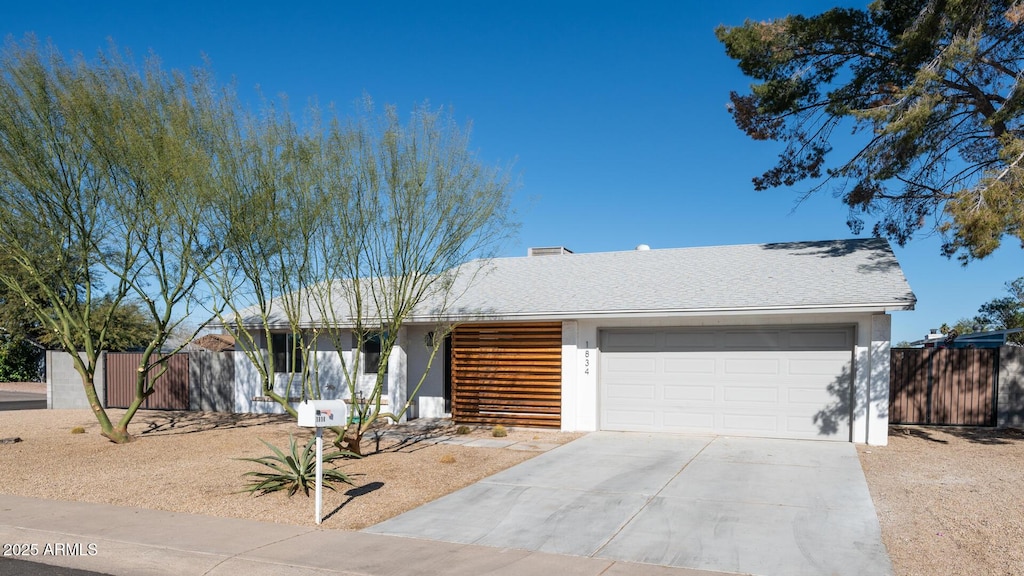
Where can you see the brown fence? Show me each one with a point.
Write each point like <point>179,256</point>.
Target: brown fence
<point>171,390</point>
<point>507,374</point>
<point>943,386</point>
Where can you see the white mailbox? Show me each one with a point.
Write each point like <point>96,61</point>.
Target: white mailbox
<point>322,413</point>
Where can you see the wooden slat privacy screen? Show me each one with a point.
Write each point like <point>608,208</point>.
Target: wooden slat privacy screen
<point>507,373</point>
<point>943,386</point>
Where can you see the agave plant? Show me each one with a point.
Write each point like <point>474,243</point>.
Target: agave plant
<point>294,470</point>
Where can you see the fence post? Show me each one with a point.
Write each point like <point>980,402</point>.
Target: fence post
<point>930,359</point>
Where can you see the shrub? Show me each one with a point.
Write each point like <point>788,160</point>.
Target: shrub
<point>447,459</point>
<point>78,430</point>
<point>462,429</point>
<point>499,431</point>
<point>294,470</point>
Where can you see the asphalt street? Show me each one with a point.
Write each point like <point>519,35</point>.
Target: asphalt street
<point>15,567</point>
<point>22,401</point>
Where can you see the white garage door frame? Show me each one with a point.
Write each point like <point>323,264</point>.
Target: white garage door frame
<point>791,381</point>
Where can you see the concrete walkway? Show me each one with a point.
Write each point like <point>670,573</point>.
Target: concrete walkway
<point>738,505</point>
<point>104,539</point>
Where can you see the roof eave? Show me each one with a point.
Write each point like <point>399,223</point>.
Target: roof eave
<point>872,307</point>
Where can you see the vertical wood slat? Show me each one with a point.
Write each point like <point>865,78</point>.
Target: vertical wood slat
<point>170,391</point>
<point>507,373</point>
<point>908,386</point>
<point>943,386</point>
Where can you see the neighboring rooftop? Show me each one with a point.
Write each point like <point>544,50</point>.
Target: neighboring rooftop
<point>979,339</point>
<point>215,342</point>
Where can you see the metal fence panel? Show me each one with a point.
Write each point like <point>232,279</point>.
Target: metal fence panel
<point>943,386</point>
<point>170,390</point>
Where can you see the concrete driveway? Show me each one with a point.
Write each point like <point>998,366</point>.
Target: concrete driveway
<point>738,505</point>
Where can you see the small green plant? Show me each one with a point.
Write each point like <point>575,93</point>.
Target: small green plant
<point>78,430</point>
<point>295,470</point>
<point>461,430</point>
<point>499,431</point>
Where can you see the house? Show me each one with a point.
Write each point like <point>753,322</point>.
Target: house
<point>787,340</point>
<point>977,339</point>
<point>214,342</point>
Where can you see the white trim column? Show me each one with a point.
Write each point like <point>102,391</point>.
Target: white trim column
<point>569,389</point>
<point>877,401</point>
<point>398,373</point>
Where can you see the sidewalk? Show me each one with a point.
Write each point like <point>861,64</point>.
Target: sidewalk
<point>138,542</point>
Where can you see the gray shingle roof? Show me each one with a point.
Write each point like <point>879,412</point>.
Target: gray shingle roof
<point>858,273</point>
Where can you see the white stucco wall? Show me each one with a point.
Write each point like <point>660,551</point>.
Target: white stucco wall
<point>429,401</point>
<point>580,373</point>
<point>581,358</point>
<point>326,371</point>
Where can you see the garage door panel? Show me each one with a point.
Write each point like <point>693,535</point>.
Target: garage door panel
<point>632,420</point>
<point>761,366</point>
<point>630,391</point>
<point>749,423</point>
<point>753,382</point>
<point>690,341</point>
<point>631,340</point>
<point>750,394</point>
<point>801,428</point>
<point>839,340</point>
<point>750,340</point>
<point>811,396</point>
<point>676,365</point>
<point>692,393</point>
<point>676,420</point>
<point>632,365</point>
<point>823,366</point>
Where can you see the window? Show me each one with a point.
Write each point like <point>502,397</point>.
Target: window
<point>371,352</point>
<point>287,353</point>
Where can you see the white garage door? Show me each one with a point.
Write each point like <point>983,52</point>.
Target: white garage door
<point>791,382</point>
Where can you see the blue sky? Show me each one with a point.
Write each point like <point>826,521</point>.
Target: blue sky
<point>613,112</point>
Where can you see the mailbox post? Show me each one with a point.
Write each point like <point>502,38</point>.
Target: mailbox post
<point>318,414</point>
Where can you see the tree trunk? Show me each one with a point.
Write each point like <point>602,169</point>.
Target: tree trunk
<point>119,435</point>
<point>354,442</point>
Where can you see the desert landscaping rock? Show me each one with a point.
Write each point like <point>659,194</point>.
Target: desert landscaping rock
<point>949,500</point>
<point>188,462</point>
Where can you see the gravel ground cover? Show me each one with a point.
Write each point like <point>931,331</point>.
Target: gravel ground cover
<point>950,501</point>
<point>188,462</point>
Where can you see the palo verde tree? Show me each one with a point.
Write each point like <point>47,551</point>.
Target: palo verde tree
<point>414,204</point>
<point>931,90</point>
<point>106,173</point>
<point>342,231</point>
<point>272,214</point>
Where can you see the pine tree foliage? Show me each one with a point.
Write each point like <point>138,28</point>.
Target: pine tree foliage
<point>931,90</point>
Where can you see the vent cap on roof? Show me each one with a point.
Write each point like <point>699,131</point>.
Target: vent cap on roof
<point>548,251</point>
<point>642,247</point>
